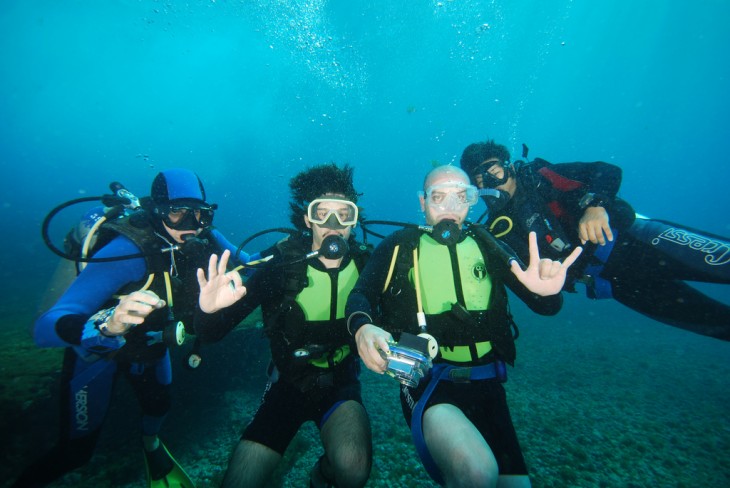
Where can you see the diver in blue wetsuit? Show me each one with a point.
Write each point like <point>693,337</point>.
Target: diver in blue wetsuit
<point>120,315</point>
<point>641,263</point>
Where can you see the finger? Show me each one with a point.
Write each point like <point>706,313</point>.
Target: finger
<point>583,233</point>
<point>591,234</point>
<point>516,269</point>
<point>371,356</point>
<point>235,278</point>
<point>239,292</point>
<point>146,296</point>
<point>201,278</point>
<point>379,362</point>
<point>548,268</point>
<point>608,231</point>
<point>123,317</point>
<point>223,264</point>
<point>534,250</point>
<point>573,256</point>
<point>137,309</point>
<point>212,267</point>
<point>598,230</point>
<point>382,343</point>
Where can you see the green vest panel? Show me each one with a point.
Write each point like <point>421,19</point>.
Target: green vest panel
<point>437,279</point>
<point>315,299</point>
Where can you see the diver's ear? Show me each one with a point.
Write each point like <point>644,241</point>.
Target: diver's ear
<point>422,201</point>
<point>307,222</point>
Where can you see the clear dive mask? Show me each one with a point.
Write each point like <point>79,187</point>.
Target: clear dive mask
<point>329,211</point>
<point>450,196</point>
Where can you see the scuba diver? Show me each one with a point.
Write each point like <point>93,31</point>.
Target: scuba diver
<point>135,298</point>
<point>440,291</point>
<point>314,372</point>
<point>642,263</point>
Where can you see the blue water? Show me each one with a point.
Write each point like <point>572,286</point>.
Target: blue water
<point>247,93</point>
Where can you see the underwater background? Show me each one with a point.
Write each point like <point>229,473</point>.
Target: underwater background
<point>247,93</point>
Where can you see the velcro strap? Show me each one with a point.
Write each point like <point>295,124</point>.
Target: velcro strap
<point>463,354</point>
<point>496,370</point>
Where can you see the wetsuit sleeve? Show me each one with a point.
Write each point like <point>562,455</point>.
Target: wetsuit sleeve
<point>212,327</point>
<point>62,325</point>
<point>598,177</point>
<point>222,243</point>
<point>364,299</point>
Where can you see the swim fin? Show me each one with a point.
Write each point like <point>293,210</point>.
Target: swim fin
<point>163,471</point>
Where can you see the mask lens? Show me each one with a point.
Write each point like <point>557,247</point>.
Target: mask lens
<point>490,179</point>
<point>451,196</point>
<point>188,217</point>
<point>322,209</point>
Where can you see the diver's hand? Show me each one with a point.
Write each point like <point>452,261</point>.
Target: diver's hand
<point>544,276</point>
<point>222,289</point>
<point>132,310</point>
<point>370,340</point>
<point>593,225</point>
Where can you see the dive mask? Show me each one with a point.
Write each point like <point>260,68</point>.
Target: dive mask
<point>490,180</point>
<point>332,211</point>
<point>450,196</point>
<point>186,216</point>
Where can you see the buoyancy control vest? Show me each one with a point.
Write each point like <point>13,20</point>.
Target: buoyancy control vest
<point>463,313</point>
<point>308,327</point>
<point>537,206</point>
<point>171,274</point>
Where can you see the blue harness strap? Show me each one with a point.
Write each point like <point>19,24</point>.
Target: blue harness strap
<point>600,288</point>
<point>446,372</point>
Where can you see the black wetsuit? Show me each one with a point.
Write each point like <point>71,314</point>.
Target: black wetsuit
<point>470,337</point>
<point>646,266</point>
<point>316,369</point>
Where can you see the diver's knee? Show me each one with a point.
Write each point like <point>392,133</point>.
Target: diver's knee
<point>352,468</point>
<point>472,474</point>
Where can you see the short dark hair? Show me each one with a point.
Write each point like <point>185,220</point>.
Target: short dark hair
<point>475,154</point>
<point>315,182</point>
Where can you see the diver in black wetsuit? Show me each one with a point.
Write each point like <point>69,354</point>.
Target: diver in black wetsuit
<point>447,285</point>
<point>642,263</point>
<point>314,374</point>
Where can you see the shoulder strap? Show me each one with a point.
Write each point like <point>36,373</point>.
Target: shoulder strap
<point>360,253</point>
<point>294,275</point>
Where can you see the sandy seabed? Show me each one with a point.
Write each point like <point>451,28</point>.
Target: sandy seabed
<point>600,397</point>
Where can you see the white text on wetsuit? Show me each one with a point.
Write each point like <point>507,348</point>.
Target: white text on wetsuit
<point>718,251</point>
<point>82,409</point>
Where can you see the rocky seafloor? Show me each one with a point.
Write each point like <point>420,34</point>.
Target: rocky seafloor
<point>600,397</point>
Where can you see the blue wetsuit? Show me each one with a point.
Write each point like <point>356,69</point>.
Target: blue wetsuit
<point>90,369</point>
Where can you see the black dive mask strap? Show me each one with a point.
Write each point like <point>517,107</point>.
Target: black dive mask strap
<point>495,200</point>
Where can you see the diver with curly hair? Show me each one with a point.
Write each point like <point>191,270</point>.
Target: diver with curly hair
<point>314,375</point>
